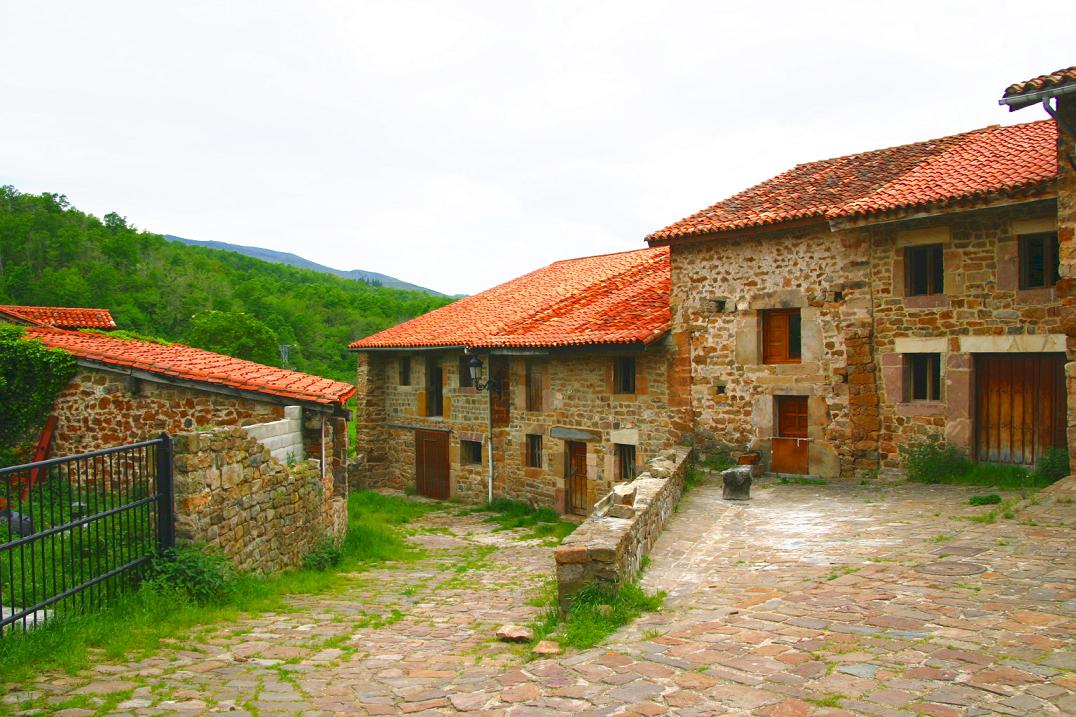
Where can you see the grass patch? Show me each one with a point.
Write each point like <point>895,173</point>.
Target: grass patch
<point>934,461</point>
<point>594,613</point>
<point>799,480</point>
<point>992,499</point>
<point>172,603</point>
<point>513,514</point>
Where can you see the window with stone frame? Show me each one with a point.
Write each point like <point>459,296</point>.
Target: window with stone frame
<point>781,336</point>
<point>624,374</point>
<point>470,452</point>
<point>405,370</point>
<point>922,377</point>
<point>465,372</point>
<point>534,450</point>
<point>534,386</point>
<point>924,270</point>
<point>1039,267</point>
<point>435,404</point>
<point>625,461</point>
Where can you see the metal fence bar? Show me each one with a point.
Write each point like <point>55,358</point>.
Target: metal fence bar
<point>78,531</point>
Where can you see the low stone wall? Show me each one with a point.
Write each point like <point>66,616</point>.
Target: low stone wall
<point>230,493</point>
<point>609,550</point>
<point>283,438</point>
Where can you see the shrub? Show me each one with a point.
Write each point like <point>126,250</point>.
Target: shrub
<point>1053,465</point>
<point>991,499</point>
<point>202,573</point>
<point>933,461</point>
<point>324,555</point>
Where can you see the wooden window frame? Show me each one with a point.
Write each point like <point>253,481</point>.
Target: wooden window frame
<point>470,452</point>
<point>534,450</point>
<point>1050,251</point>
<point>404,375</point>
<point>534,386</point>
<point>625,461</point>
<point>779,322</point>
<point>624,374</point>
<point>934,261</point>
<point>928,366</point>
<point>434,389</point>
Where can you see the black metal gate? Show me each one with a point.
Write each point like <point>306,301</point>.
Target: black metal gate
<point>78,531</point>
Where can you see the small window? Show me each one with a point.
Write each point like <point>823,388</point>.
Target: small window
<point>922,377</point>
<point>1038,260</point>
<point>470,452</point>
<point>924,271</point>
<point>781,336</point>
<point>534,386</point>
<point>625,461</point>
<point>534,450</point>
<point>624,374</point>
<point>465,372</point>
<point>405,370</point>
<point>435,405</point>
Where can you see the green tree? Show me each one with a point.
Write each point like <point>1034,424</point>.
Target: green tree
<point>235,334</point>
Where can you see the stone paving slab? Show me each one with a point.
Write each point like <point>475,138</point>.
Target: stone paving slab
<point>807,600</point>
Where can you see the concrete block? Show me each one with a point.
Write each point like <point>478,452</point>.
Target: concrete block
<point>294,412</point>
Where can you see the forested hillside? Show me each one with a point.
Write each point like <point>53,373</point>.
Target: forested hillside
<point>53,254</point>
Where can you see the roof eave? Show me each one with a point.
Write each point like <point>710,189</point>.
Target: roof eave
<point>1018,102</point>
<point>957,206</point>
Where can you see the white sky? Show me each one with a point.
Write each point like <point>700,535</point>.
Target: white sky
<point>458,144</point>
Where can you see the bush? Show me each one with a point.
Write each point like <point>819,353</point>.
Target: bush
<point>1053,465</point>
<point>991,499</point>
<point>201,573</point>
<point>324,555</point>
<point>933,461</point>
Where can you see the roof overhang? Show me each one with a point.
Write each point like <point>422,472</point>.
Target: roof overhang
<point>903,215</point>
<point>627,347</point>
<point>1018,102</point>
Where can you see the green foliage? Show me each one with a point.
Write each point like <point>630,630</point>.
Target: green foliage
<point>324,555</point>
<point>595,612</point>
<point>235,334</point>
<point>991,499</point>
<point>31,377</point>
<point>372,521</point>
<point>128,336</point>
<point>200,573</point>
<point>53,254</point>
<point>719,460</point>
<point>932,461</point>
<point>1053,465</point>
<point>510,514</point>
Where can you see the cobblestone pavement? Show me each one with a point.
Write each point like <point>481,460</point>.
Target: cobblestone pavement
<point>809,599</point>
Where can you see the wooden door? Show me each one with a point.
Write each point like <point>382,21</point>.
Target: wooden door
<point>431,464</point>
<point>1019,406</point>
<point>501,406</point>
<point>576,472</point>
<point>789,447</point>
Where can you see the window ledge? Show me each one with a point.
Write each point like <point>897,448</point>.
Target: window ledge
<point>921,408</point>
<point>1041,295</point>
<point>926,301</point>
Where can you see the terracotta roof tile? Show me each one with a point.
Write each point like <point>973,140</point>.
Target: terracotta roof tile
<point>1061,78</point>
<point>61,317</point>
<point>186,362</point>
<point>982,164</point>
<point>610,299</point>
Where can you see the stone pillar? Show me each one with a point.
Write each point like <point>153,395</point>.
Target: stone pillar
<point>371,437</point>
<point>959,372</point>
<point>1066,235</point>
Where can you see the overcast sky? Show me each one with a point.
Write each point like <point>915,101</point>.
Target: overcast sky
<point>458,144</point>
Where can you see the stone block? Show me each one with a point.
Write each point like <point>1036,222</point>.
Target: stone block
<point>570,554</point>
<point>619,510</point>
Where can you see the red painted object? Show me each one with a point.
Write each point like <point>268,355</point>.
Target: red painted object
<point>41,451</point>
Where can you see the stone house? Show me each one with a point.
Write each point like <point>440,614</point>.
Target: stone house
<point>127,390</point>
<point>584,385</point>
<point>851,305</point>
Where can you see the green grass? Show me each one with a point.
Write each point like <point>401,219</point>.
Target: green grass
<point>934,461</point>
<point>512,514</point>
<point>992,499</point>
<point>594,613</point>
<point>137,624</point>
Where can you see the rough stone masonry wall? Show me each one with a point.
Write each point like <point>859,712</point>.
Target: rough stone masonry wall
<point>264,515</point>
<point>823,274</point>
<point>983,310</point>
<point>1066,235</point>
<point>609,551</point>
<point>99,409</point>
<point>577,394</point>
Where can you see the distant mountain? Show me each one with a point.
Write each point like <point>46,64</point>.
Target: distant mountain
<point>283,257</point>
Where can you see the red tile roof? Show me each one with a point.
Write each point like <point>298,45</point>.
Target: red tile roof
<point>1016,95</point>
<point>610,299</point>
<point>60,317</point>
<point>179,361</point>
<point>983,164</point>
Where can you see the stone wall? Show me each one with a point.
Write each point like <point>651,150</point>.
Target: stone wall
<point>100,409</point>
<point>609,551</point>
<point>721,287</point>
<point>1066,235</point>
<point>230,493</point>
<point>983,310</point>
<point>577,397</point>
